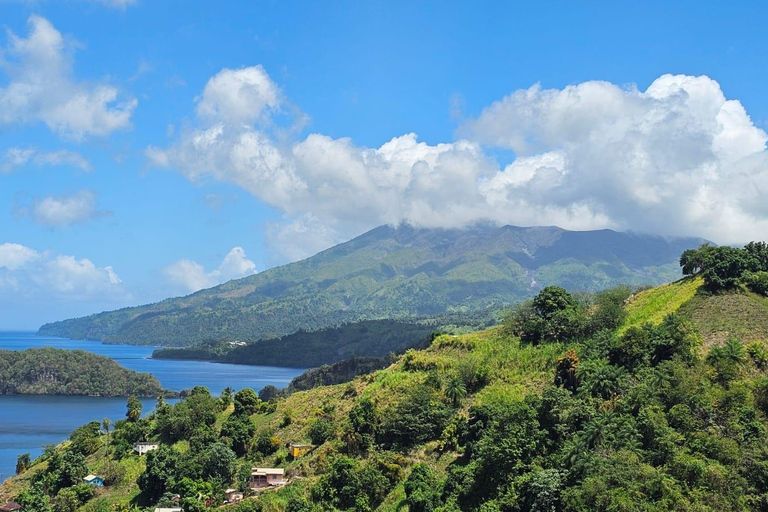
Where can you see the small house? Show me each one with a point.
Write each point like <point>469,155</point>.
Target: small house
<point>266,477</point>
<point>11,506</point>
<point>94,480</point>
<point>176,509</point>
<point>143,448</point>
<point>233,496</point>
<point>299,450</point>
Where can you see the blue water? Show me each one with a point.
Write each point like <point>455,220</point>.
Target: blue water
<point>27,423</point>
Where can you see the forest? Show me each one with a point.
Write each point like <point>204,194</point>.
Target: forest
<point>50,371</point>
<point>622,400</point>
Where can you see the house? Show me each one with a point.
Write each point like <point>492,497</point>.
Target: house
<point>11,506</point>
<point>177,509</point>
<point>266,477</point>
<point>143,448</point>
<point>299,450</point>
<point>233,496</point>
<point>94,480</point>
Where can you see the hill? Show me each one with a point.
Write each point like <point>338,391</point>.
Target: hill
<point>575,404</point>
<point>49,371</point>
<point>371,338</point>
<point>392,273</point>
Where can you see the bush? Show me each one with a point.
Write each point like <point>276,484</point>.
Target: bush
<point>320,430</point>
<point>420,417</point>
<point>756,281</point>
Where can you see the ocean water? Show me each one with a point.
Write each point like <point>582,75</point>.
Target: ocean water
<point>27,423</point>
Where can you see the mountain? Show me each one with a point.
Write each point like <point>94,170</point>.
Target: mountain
<point>392,272</point>
<point>642,407</point>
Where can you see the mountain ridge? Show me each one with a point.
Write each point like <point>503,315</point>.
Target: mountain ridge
<point>392,272</point>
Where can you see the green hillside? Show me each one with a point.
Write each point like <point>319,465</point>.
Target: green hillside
<point>392,273</point>
<point>50,371</point>
<point>575,404</point>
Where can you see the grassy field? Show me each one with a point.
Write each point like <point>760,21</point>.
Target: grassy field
<point>743,314</point>
<point>651,306</point>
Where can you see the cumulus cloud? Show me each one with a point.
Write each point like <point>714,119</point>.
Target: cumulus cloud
<point>16,157</point>
<point>28,273</point>
<point>65,210</point>
<point>15,256</point>
<point>676,159</point>
<point>42,87</point>
<point>189,276</point>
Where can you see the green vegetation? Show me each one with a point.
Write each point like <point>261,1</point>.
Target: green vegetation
<point>373,338</point>
<point>575,404</point>
<point>49,371</point>
<point>338,373</point>
<point>726,268</point>
<point>392,273</point>
<point>652,305</point>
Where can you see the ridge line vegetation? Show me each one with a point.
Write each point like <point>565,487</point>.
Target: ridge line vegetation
<point>564,407</point>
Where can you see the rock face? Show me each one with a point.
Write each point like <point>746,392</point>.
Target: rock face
<point>390,272</point>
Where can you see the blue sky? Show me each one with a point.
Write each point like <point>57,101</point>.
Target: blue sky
<point>148,149</point>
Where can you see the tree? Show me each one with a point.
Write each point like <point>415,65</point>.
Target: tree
<point>239,431</point>
<point>35,499</point>
<point>724,267</point>
<point>134,409</point>
<point>455,390</point>
<point>106,423</point>
<point>756,281</point>
<point>246,402</point>
<point>219,462</point>
<point>72,469</point>
<point>225,400</point>
<point>268,393</point>
<point>553,315</point>
<point>693,261</point>
<point>22,463</point>
<point>421,489</point>
<point>320,430</point>
<point>161,469</point>
<point>365,424</point>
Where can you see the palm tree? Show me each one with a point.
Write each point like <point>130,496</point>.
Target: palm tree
<point>134,409</point>
<point>455,390</point>
<point>106,423</point>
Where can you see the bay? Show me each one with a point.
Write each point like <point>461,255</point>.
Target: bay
<point>27,423</point>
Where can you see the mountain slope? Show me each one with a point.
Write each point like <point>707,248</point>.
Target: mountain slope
<point>475,423</point>
<point>392,273</point>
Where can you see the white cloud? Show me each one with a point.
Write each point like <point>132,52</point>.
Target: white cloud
<point>17,157</point>
<point>677,159</point>
<point>189,276</point>
<point>238,96</point>
<point>42,87</point>
<point>16,256</point>
<point>29,274</point>
<point>64,210</point>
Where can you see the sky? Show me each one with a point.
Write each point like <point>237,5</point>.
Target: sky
<point>149,149</point>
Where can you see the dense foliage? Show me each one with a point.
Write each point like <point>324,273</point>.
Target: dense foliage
<point>374,338</point>
<point>725,268</point>
<point>49,371</point>
<point>391,273</point>
<point>570,406</point>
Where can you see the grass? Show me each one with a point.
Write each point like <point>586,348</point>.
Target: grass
<point>651,306</point>
<point>742,314</point>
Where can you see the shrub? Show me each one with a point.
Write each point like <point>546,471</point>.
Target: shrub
<point>320,430</point>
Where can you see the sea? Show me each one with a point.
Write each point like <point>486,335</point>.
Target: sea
<point>27,423</point>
